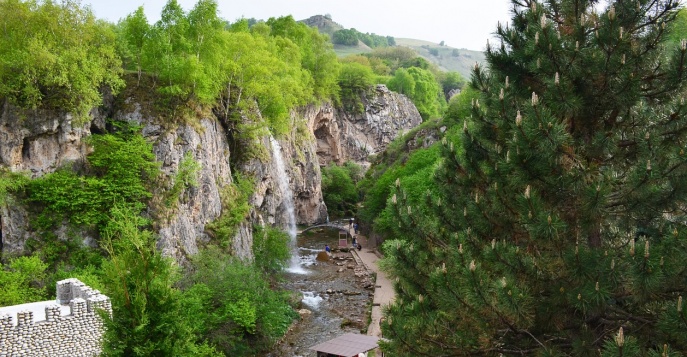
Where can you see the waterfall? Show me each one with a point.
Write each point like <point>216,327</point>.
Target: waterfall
<point>287,201</point>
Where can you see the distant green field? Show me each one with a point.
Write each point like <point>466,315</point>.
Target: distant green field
<point>343,51</point>
<point>461,60</point>
<point>462,63</point>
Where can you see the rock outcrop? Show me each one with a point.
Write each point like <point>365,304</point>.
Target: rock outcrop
<point>183,227</point>
<point>298,151</point>
<point>39,142</point>
<point>343,136</point>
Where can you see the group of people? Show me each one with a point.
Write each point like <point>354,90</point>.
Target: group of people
<point>352,224</point>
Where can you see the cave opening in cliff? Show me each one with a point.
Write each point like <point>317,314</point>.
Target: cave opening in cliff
<point>26,149</point>
<point>95,129</point>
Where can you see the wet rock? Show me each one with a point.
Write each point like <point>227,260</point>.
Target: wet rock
<point>322,256</point>
<point>304,313</point>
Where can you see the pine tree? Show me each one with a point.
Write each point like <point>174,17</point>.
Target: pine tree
<point>560,224</point>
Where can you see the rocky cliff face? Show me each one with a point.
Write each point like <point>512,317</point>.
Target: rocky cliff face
<point>183,228</point>
<point>40,142</point>
<point>37,142</point>
<point>298,152</point>
<point>343,136</point>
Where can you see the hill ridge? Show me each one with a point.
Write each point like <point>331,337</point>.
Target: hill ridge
<point>447,58</point>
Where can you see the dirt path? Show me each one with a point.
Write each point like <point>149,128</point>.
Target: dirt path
<point>384,291</point>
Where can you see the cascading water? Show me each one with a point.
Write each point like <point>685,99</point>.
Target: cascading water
<point>287,200</point>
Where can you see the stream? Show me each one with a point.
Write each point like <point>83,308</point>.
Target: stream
<point>337,295</point>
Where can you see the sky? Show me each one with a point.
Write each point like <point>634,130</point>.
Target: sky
<point>459,23</point>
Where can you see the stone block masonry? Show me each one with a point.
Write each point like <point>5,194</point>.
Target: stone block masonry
<point>77,333</point>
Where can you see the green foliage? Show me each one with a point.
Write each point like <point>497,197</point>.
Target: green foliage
<point>402,82</point>
<point>265,71</point>
<point>120,168</point>
<point>195,58</point>
<point>410,168</point>
<point>10,182</point>
<point>57,252</point>
<point>235,209</point>
<point>338,189</point>
<point>355,80</point>
<point>56,55</point>
<point>460,106</point>
<point>237,311</point>
<point>450,81</point>
<point>317,55</point>
<point>146,308</point>
<point>555,218</point>
<point>394,57</point>
<point>422,88</point>
<point>350,37</point>
<point>678,29</point>
<point>132,33</point>
<point>21,280</point>
<point>375,63</point>
<point>186,176</point>
<point>271,250</point>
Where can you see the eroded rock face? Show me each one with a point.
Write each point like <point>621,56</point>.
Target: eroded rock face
<point>343,136</point>
<point>37,142</point>
<point>183,227</point>
<point>42,141</point>
<point>298,152</point>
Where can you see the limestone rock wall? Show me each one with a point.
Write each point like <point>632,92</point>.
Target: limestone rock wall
<point>343,136</point>
<point>298,151</point>
<point>182,228</point>
<point>40,142</point>
<point>37,142</point>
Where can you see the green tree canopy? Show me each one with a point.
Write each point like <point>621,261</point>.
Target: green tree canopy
<point>55,55</point>
<point>133,33</point>
<point>345,37</point>
<point>355,80</point>
<point>338,190</point>
<point>427,95</point>
<point>450,81</point>
<point>402,82</point>
<point>317,55</point>
<point>147,317</point>
<point>21,281</point>
<point>559,225</point>
<point>234,308</point>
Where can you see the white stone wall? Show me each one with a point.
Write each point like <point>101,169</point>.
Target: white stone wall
<point>77,334</point>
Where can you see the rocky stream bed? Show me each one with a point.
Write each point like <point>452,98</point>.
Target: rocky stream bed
<point>336,296</point>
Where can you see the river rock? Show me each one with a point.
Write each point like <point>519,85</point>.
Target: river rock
<point>322,256</point>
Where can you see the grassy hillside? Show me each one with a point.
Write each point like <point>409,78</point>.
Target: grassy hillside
<point>447,58</point>
<point>343,50</point>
